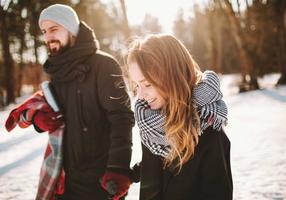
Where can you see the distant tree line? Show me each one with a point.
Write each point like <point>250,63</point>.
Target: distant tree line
<point>249,40</point>
<point>237,36</point>
<point>21,45</point>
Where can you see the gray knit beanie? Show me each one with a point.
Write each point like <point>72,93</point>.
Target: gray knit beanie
<point>63,15</point>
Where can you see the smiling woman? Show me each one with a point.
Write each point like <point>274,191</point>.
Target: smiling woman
<point>180,135</point>
<point>165,11</point>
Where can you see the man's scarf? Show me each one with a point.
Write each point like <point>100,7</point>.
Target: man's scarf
<point>212,110</point>
<point>52,175</point>
<point>69,65</point>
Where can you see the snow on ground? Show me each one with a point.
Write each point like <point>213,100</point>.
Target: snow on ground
<point>257,132</point>
<point>256,129</point>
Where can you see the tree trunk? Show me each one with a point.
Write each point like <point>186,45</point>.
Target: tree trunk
<point>36,46</point>
<point>282,37</point>
<point>216,42</point>
<point>126,26</point>
<point>2,103</point>
<point>245,60</point>
<point>8,62</point>
<point>238,7</point>
<point>34,30</point>
<point>247,4</point>
<point>21,67</point>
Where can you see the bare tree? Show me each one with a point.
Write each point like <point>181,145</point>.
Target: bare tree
<point>245,59</point>
<point>125,19</point>
<point>7,58</point>
<point>281,24</point>
<point>215,27</point>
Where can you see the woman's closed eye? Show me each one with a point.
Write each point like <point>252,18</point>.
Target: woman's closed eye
<point>136,86</point>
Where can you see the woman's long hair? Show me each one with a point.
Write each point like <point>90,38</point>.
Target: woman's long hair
<point>168,66</point>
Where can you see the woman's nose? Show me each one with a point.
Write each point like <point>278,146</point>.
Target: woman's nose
<point>141,93</point>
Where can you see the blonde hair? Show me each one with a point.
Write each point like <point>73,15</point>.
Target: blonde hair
<point>168,66</point>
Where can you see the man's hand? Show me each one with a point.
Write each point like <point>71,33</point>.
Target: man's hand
<point>115,184</point>
<point>44,120</point>
<point>47,120</point>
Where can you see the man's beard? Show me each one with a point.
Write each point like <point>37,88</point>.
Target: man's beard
<point>57,51</point>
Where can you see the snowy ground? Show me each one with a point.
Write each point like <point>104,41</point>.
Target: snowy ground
<point>256,129</point>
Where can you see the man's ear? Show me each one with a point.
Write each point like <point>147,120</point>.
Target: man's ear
<point>72,39</point>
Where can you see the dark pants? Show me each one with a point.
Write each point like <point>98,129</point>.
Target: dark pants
<point>90,191</point>
<point>79,186</point>
<point>62,198</point>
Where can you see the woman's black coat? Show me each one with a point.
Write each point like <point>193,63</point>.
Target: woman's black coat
<point>206,176</point>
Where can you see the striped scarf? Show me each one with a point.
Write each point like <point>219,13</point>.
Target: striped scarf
<point>210,106</point>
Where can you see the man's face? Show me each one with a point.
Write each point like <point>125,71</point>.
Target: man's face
<point>56,37</point>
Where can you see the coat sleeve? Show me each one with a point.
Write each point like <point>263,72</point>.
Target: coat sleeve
<point>116,104</point>
<point>151,175</point>
<point>215,172</point>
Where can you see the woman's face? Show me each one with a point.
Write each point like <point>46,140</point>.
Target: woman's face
<point>144,89</point>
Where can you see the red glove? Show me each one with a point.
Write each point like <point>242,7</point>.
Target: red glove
<point>116,184</point>
<point>26,118</point>
<point>47,120</point>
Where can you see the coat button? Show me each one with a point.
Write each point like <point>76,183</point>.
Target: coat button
<point>78,91</point>
<point>85,129</point>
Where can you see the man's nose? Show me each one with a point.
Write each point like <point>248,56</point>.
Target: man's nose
<point>47,37</point>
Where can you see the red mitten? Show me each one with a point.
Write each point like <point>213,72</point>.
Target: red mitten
<point>47,120</point>
<point>116,184</point>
